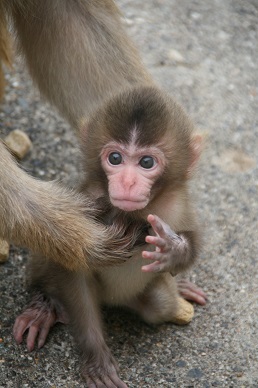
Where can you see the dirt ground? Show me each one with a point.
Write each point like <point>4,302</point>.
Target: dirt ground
<point>205,53</point>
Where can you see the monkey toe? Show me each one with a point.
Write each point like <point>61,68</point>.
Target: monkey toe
<point>102,377</point>
<point>112,381</point>
<point>38,322</point>
<point>20,326</point>
<point>33,331</point>
<point>116,381</point>
<point>190,291</point>
<point>97,383</point>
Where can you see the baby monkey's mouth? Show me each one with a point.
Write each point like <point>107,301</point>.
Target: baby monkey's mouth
<point>128,205</point>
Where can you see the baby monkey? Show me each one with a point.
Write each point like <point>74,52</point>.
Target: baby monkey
<point>139,151</point>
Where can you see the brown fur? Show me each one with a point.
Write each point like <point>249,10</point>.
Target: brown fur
<point>54,221</point>
<point>63,65</point>
<point>5,48</point>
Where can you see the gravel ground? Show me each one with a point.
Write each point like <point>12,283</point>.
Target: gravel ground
<point>205,53</point>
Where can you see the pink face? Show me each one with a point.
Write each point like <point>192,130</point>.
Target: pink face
<point>131,173</point>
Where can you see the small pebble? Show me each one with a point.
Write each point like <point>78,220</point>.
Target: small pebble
<point>195,373</point>
<point>19,143</point>
<point>176,56</point>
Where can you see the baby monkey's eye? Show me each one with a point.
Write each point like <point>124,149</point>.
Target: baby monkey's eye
<point>115,158</point>
<point>147,162</point>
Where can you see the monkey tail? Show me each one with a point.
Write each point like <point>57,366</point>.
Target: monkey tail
<point>5,48</point>
<point>122,233</point>
<point>120,240</point>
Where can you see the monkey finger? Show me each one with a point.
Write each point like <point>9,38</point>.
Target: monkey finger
<point>157,241</point>
<point>153,267</point>
<point>153,255</point>
<point>161,228</point>
<point>156,224</point>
